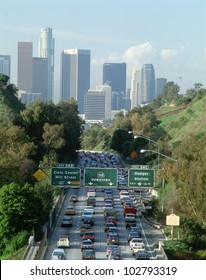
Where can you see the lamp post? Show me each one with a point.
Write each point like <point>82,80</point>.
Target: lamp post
<point>144,151</point>
<point>151,141</point>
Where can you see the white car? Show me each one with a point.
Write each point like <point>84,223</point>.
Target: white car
<point>135,241</point>
<point>89,209</point>
<point>58,254</point>
<point>91,192</point>
<point>63,241</point>
<point>86,214</point>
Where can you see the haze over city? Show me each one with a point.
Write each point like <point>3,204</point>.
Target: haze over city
<point>167,34</point>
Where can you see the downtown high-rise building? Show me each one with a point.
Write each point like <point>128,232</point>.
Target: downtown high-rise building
<point>25,66</point>
<point>114,75</point>
<point>97,103</point>
<point>135,89</point>
<point>160,84</point>
<point>46,50</point>
<point>5,65</point>
<point>142,86</point>
<point>32,72</point>
<point>75,75</point>
<point>147,83</point>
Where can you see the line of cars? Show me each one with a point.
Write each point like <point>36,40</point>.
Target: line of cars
<point>86,231</point>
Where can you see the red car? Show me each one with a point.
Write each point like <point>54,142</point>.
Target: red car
<point>89,235</point>
<point>111,219</point>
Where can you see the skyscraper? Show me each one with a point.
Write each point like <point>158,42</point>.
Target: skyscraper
<point>46,50</point>
<point>40,77</point>
<point>5,64</point>
<point>97,103</point>
<point>25,66</point>
<point>160,83</point>
<point>75,75</point>
<point>135,89</point>
<point>114,74</point>
<point>147,83</point>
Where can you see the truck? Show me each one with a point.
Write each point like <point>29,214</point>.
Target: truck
<point>129,210</point>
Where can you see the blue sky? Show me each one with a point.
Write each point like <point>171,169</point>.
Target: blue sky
<point>170,34</point>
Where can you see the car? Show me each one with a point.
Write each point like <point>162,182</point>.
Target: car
<point>70,210</point>
<point>108,201</point>
<point>111,247</point>
<point>129,224</point>
<point>111,219</point>
<point>91,192</point>
<point>86,214</point>
<point>88,220</point>
<point>108,225</point>
<point>136,229</point>
<point>113,238</point>
<point>73,198</point>
<point>87,244</point>
<point>89,209</point>
<point>135,240</point>
<point>142,255</point>
<point>88,254</point>
<point>115,256</point>
<point>136,247</point>
<point>107,205</point>
<point>84,227</point>
<point>133,234</point>
<point>58,254</point>
<point>89,235</point>
<point>113,230</point>
<point>66,221</point>
<point>91,200</point>
<point>63,241</point>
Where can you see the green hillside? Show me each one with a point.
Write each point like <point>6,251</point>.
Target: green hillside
<point>179,122</point>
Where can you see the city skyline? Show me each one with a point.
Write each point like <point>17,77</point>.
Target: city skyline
<point>167,34</point>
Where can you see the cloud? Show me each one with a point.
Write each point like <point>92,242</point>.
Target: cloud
<point>134,55</point>
<point>167,53</point>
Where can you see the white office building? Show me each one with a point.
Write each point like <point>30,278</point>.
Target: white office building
<point>75,75</point>
<point>46,50</point>
<point>97,103</point>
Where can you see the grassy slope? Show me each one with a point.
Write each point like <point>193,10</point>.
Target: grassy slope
<point>179,122</point>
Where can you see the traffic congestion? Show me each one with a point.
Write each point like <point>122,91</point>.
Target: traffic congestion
<point>102,223</point>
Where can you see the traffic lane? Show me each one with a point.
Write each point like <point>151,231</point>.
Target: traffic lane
<point>71,231</point>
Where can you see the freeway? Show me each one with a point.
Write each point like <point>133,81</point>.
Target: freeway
<point>150,235</point>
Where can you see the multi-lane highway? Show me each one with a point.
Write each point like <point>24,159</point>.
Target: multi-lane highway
<point>149,235</point>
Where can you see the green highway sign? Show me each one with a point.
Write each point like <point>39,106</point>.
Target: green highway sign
<point>65,176</point>
<point>141,178</point>
<point>102,177</point>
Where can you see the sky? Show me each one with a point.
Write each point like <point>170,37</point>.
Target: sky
<point>170,34</point>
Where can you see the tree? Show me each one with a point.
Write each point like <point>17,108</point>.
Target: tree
<point>20,209</point>
<point>169,95</point>
<point>15,148</point>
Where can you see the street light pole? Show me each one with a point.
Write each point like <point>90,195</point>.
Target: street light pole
<point>144,151</point>
<point>151,141</point>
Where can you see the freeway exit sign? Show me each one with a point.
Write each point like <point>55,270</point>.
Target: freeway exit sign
<point>141,178</point>
<point>64,176</point>
<point>102,177</point>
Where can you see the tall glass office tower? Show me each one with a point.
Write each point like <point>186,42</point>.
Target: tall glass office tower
<point>75,75</point>
<point>147,83</point>
<point>46,50</point>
